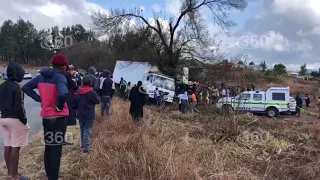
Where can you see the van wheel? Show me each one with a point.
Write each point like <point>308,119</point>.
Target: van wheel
<point>227,109</point>
<point>272,112</point>
<point>293,113</point>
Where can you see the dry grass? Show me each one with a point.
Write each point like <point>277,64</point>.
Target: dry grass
<point>169,145</point>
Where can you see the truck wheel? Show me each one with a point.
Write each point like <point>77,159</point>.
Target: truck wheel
<point>272,112</point>
<point>227,109</point>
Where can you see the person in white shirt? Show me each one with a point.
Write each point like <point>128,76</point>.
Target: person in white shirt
<point>113,86</point>
<point>180,105</point>
<point>184,102</point>
<point>223,92</point>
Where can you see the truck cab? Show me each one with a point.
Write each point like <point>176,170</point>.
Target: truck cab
<point>272,102</point>
<point>164,83</point>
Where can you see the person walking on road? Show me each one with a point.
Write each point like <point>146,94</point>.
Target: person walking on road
<point>106,94</point>
<point>52,86</point>
<point>86,100</point>
<point>299,104</point>
<point>137,98</point>
<point>13,121</point>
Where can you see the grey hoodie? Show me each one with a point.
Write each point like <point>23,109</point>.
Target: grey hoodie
<point>94,80</point>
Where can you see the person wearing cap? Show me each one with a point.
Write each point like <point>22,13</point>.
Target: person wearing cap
<point>52,86</point>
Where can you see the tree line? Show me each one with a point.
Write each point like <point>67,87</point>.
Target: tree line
<point>168,42</point>
<point>21,42</point>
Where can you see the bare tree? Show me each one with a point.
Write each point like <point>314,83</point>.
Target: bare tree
<point>183,37</point>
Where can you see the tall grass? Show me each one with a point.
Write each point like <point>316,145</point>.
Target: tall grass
<point>164,146</point>
<point>170,145</point>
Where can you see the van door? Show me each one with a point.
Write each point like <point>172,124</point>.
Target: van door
<point>258,102</point>
<point>244,101</point>
<point>149,87</point>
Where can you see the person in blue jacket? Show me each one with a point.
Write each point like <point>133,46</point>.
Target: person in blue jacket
<point>86,100</point>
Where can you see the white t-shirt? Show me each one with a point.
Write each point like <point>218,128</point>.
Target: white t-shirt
<point>223,92</point>
<point>113,85</point>
<point>101,82</point>
<point>182,97</point>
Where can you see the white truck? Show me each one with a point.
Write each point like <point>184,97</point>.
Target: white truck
<point>272,102</point>
<point>150,76</point>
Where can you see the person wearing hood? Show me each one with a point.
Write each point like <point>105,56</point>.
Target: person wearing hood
<point>137,98</point>
<point>53,90</point>
<point>86,99</point>
<point>13,121</point>
<point>94,80</point>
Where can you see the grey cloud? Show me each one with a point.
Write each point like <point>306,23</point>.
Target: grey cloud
<point>73,12</point>
<point>294,24</point>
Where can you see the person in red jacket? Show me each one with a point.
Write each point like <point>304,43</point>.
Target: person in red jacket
<point>52,86</point>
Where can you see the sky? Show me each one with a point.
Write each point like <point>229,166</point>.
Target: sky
<point>274,31</point>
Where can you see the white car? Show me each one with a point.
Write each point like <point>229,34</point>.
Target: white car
<point>292,105</point>
<point>271,102</point>
<point>27,76</point>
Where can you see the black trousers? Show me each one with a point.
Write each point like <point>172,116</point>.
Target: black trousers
<point>54,135</point>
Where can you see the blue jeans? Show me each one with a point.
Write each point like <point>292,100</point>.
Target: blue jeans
<point>86,131</point>
<point>105,105</point>
<point>184,105</point>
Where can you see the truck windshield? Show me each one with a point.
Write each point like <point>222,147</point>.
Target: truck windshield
<point>164,83</point>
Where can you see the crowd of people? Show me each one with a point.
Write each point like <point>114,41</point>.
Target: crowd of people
<point>206,94</point>
<point>65,96</point>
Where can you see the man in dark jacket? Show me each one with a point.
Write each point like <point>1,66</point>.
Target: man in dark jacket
<point>52,86</point>
<point>106,94</point>
<point>86,99</point>
<point>299,104</point>
<point>137,98</point>
<point>72,88</point>
<point>13,119</point>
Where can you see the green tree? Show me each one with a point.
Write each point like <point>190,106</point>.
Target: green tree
<point>240,62</point>
<point>251,63</point>
<point>264,66</point>
<point>303,69</point>
<point>181,38</point>
<point>279,69</point>
<point>7,40</point>
<point>22,42</point>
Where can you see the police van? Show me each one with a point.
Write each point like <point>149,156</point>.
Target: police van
<point>271,102</point>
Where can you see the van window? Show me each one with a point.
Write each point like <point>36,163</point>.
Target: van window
<point>257,97</point>
<point>164,83</point>
<point>149,78</point>
<point>278,96</point>
<point>245,96</point>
